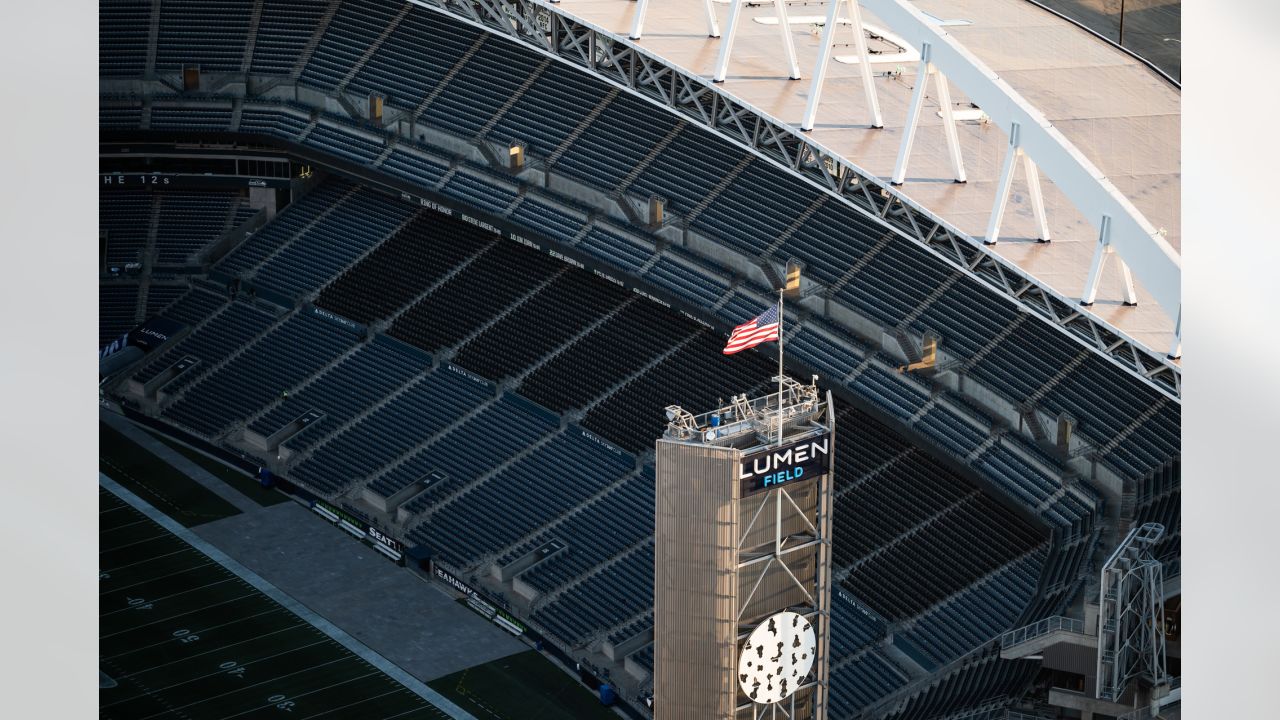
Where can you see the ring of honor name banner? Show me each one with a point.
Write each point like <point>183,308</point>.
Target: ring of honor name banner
<point>772,467</point>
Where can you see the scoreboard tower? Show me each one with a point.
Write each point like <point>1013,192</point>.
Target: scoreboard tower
<point>742,558</point>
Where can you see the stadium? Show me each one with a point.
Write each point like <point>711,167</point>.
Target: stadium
<point>439,271</point>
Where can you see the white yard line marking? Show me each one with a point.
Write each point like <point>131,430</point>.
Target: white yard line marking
<point>167,597</point>
<point>121,547</point>
<point>153,579</point>
<point>218,672</point>
<point>355,646</point>
<point>218,649</point>
<point>358,702</point>
<point>118,568</point>
<point>277,678</point>
<point>300,695</point>
<point>121,527</point>
<point>210,629</point>
<point>402,714</point>
<point>174,617</point>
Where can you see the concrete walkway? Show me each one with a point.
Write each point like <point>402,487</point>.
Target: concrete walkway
<point>411,621</point>
<point>355,646</point>
<point>405,618</point>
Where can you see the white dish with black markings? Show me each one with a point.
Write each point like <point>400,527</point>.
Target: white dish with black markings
<point>776,658</point>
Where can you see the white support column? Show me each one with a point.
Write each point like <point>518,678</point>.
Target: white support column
<point>637,21</point>
<point>1175,352</point>
<point>913,117</point>
<point>784,27</point>
<point>1037,197</point>
<point>864,61</point>
<point>1100,255</point>
<point>1130,294</point>
<point>1002,188</point>
<point>726,44</point>
<point>820,69</point>
<point>642,7</point>
<point>949,127</point>
<point>713,26</point>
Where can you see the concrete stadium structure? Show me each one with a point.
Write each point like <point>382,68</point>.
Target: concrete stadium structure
<point>405,115</point>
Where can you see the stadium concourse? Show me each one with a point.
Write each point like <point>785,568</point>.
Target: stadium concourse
<point>445,285</point>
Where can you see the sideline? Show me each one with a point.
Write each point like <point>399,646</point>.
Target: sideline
<point>360,649</point>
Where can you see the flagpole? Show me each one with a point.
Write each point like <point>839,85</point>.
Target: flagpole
<point>781,290</point>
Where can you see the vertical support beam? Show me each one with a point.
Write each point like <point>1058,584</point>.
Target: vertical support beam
<point>1130,294</point>
<point>726,45</point>
<point>713,26</point>
<point>784,27</point>
<point>1101,254</point>
<point>1037,197</point>
<point>864,59</point>
<point>777,520</point>
<point>820,69</point>
<point>1002,188</point>
<point>1175,352</point>
<point>637,21</point>
<point>949,127</point>
<point>913,117</point>
<point>642,7</point>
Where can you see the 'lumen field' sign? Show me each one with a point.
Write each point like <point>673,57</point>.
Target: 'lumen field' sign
<point>768,468</point>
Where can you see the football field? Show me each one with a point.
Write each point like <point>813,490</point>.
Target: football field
<point>182,636</point>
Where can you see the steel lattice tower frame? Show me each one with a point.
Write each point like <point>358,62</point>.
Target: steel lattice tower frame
<point>1131,615</point>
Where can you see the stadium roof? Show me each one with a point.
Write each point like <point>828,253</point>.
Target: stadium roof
<point>1123,117</point>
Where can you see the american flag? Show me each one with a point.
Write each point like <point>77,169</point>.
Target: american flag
<point>749,334</point>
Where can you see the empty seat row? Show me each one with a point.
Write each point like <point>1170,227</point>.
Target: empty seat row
<point>596,533</point>
<point>284,228</point>
<point>417,42</point>
<point>268,369</point>
<point>404,420</point>
<point>188,222</point>
<point>351,31</point>
<point>503,427</point>
<point>402,268</point>
<point>376,369</point>
<point>123,35</point>
<point>209,33</point>
<point>492,283</point>
<point>863,680</point>
<point>600,603</point>
<point>978,614</point>
<point>939,558</point>
<point>986,678</point>
<point>565,308</point>
<point>522,497</point>
<point>219,336</point>
<point>117,310</point>
<point>346,233</point>
<point>284,28</point>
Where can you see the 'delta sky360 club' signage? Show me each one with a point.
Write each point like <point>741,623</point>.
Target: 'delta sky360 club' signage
<point>768,468</point>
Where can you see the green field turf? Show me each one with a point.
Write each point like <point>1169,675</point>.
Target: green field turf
<point>524,686</point>
<point>236,479</point>
<point>156,481</point>
<point>180,636</point>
